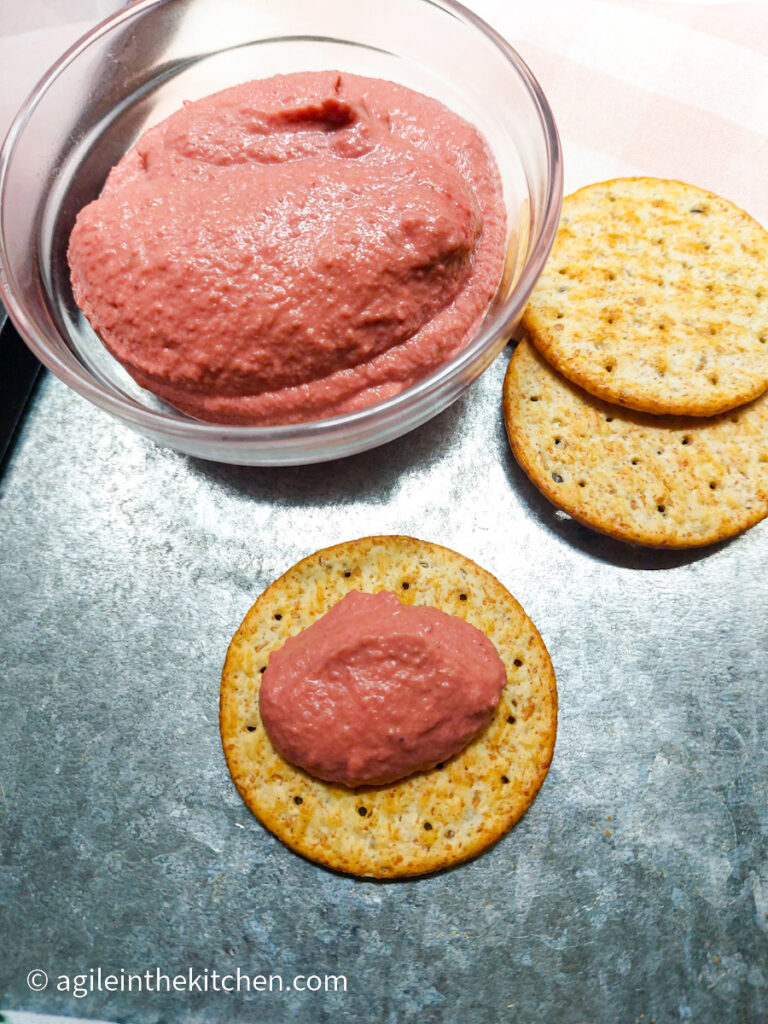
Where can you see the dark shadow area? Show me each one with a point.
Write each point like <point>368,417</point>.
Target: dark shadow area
<point>593,544</point>
<point>19,381</point>
<point>373,475</point>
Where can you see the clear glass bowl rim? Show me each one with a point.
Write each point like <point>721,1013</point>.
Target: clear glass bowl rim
<point>189,430</point>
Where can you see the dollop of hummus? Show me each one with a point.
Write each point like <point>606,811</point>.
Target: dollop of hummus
<point>292,248</point>
<point>375,690</point>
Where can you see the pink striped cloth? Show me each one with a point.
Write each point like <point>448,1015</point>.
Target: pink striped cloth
<point>668,89</point>
<point>665,88</point>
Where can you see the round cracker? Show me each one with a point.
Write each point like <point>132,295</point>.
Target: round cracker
<point>432,819</point>
<point>655,297</point>
<point>663,481</point>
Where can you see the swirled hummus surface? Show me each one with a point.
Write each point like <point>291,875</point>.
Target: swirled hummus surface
<point>375,690</point>
<point>292,248</point>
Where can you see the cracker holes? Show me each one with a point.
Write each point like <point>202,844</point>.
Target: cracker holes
<point>635,462</point>
<point>278,616</point>
<point>347,574</point>
<point>762,339</point>
<point>251,728</point>
<point>557,478</point>
<point>713,485</point>
<point>609,419</point>
<point>298,800</point>
<point>511,719</point>
<point>517,662</point>
<point>362,811</point>
<point>558,440</point>
<point>661,509</point>
<point>686,440</point>
<point>559,316</point>
<point>582,483</point>
<point>712,331</point>
<point>609,367</point>
<point>263,669</point>
<point>450,834</point>
<point>714,379</point>
<point>405,585</point>
<point>462,597</point>
<point>661,327</point>
<point>611,276</point>
<point>427,826</point>
<point>504,779</point>
<point>698,209</point>
<point>535,398</point>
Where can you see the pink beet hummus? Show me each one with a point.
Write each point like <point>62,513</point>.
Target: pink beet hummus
<point>292,248</point>
<point>376,690</point>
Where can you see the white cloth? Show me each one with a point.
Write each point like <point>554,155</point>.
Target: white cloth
<point>668,88</point>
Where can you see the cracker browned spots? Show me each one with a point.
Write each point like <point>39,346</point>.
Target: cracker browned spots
<point>432,819</point>
<point>655,297</point>
<point>664,481</point>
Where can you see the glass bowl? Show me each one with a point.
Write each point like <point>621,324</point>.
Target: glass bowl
<point>137,67</point>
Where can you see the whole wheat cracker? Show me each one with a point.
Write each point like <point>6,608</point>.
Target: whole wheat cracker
<point>662,481</point>
<point>655,297</point>
<point>432,819</point>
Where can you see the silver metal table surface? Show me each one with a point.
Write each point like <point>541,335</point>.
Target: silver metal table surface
<point>635,889</point>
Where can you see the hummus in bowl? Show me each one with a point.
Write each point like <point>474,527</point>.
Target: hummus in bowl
<point>357,343</point>
<point>293,248</point>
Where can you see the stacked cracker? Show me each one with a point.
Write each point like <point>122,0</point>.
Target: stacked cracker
<point>638,402</point>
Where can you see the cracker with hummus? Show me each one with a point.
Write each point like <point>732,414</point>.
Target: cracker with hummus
<point>431,819</point>
<point>662,481</point>
<point>655,297</point>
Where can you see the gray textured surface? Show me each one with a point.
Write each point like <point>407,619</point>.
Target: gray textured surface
<point>636,888</point>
